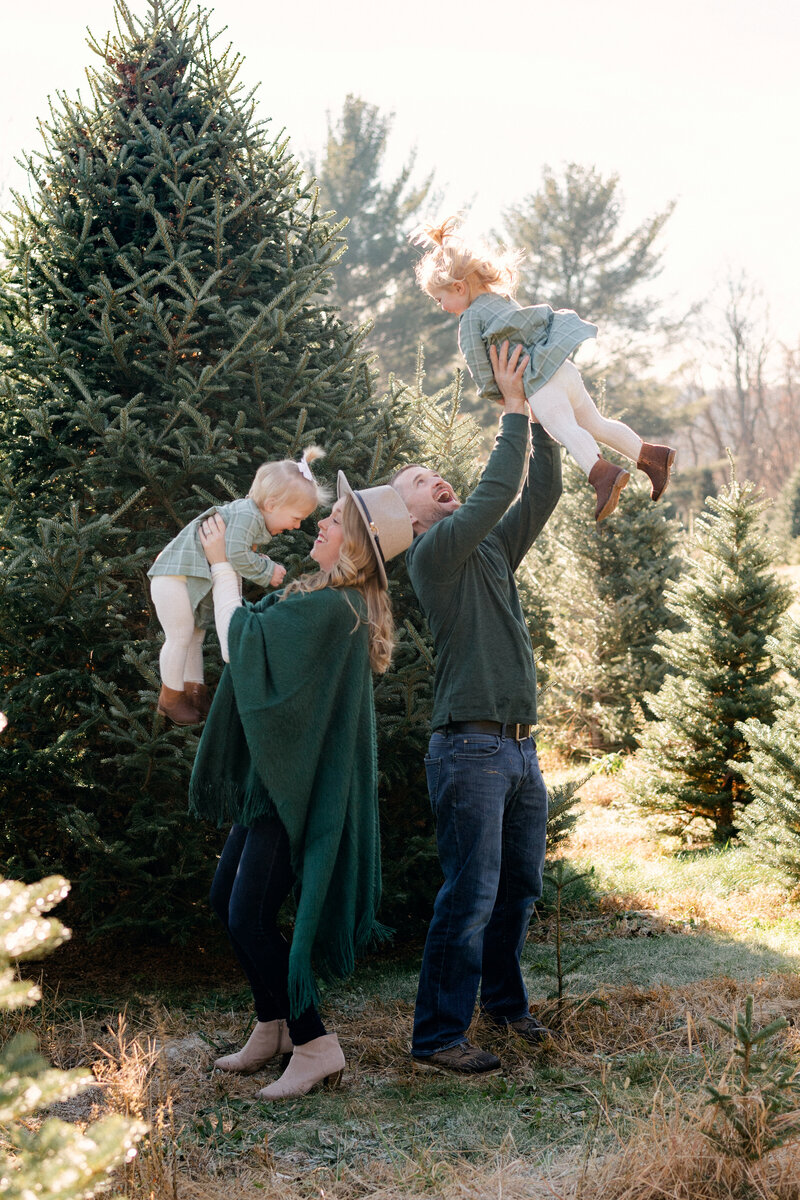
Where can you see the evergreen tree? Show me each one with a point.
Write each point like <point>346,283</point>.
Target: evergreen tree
<point>579,256</point>
<point>374,280</point>
<point>604,588</point>
<point>57,1159</point>
<point>786,524</point>
<point>720,668</point>
<point>770,825</point>
<point>164,334</point>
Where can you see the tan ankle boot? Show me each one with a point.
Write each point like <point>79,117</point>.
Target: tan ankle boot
<point>318,1061</point>
<point>268,1040</point>
<point>656,462</point>
<point>199,696</point>
<point>176,706</point>
<point>607,481</point>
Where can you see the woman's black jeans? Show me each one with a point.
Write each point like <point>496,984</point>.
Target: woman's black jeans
<point>253,878</point>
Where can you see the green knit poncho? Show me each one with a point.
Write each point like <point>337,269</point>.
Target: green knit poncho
<point>292,731</point>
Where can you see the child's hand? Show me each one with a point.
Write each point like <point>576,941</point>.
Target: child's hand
<point>212,539</point>
<point>278,575</point>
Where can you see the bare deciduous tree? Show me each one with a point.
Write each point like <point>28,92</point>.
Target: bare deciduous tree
<point>749,402</point>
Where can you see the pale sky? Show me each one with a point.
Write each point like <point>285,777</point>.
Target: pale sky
<point>696,101</point>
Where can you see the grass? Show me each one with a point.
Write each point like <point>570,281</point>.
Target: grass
<point>612,1107</point>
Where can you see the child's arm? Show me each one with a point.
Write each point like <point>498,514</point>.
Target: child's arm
<point>473,347</point>
<point>239,534</point>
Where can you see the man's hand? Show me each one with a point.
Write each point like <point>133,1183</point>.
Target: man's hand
<point>508,371</point>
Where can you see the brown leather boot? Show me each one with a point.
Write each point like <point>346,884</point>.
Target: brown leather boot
<point>176,706</point>
<point>656,462</point>
<point>607,481</point>
<point>199,696</point>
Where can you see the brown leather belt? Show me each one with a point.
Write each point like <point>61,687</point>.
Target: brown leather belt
<point>509,729</point>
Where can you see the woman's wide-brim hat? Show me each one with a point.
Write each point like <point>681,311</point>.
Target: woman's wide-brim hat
<point>385,518</point>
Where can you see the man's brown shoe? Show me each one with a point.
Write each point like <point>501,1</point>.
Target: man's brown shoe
<point>176,706</point>
<point>462,1059</point>
<point>608,481</point>
<point>531,1029</point>
<point>656,462</point>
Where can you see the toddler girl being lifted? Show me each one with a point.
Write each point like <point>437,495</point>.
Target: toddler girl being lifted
<point>477,287</point>
<point>282,495</point>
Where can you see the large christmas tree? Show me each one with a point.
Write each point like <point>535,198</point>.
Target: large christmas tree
<point>166,330</point>
<point>720,670</point>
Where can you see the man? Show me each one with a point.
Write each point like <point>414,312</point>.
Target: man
<point>488,796</point>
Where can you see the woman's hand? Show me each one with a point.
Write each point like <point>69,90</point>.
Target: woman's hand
<point>212,539</point>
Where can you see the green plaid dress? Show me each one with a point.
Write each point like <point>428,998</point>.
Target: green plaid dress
<point>244,528</point>
<point>548,335</point>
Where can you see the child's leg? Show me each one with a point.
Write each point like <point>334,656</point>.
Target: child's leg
<point>174,611</point>
<point>616,434</point>
<point>552,406</point>
<point>193,670</point>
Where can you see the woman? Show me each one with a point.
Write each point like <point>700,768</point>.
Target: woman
<point>289,755</point>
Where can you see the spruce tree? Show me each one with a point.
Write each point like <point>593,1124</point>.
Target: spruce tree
<point>374,279</point>
<point>603,586</point>
<point>166,330</point>
<point>55,1159</point>
<point>786,522</point>
<point>720,670</point>
<point>581,256</point>
<point>770,825</point>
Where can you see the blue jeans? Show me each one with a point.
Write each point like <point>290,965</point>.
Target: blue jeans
<point>490,806</point>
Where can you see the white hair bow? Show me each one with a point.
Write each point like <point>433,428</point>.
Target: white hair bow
<point>305,469</point>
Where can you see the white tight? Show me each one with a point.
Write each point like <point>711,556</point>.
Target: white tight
<point>569,414</point>
<point>181,658</point>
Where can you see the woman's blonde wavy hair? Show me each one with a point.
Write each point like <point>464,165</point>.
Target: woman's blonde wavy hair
<point>356,567</point>
<point>451,259</point>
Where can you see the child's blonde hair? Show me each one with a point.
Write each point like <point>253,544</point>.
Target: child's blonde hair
<point>290,481</point>
<point>452,259</point>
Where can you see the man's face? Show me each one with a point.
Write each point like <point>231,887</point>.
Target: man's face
<point>427,497</point>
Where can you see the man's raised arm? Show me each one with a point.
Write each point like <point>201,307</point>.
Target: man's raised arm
<point>451,541</point>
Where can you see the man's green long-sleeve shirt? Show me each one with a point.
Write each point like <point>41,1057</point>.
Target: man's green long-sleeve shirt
<point>462,570</point>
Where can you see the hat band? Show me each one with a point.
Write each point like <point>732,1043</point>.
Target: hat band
<point>372,527</point>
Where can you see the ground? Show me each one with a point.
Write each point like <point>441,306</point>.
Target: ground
<point>655,946</point>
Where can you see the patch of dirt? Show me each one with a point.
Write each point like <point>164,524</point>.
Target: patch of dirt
<point>109,967</point>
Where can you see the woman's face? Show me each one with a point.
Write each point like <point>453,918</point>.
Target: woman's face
<point>328,546</point>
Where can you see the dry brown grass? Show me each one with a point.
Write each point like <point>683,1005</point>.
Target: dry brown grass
<point>610,830</point>
<point>158,1070</point>
<point>156,1065</point>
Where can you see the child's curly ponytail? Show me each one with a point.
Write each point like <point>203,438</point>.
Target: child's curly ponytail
<point>451,259</point>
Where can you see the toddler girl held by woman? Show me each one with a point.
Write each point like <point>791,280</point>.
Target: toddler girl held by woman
<point>282,495</point>
<point>478,287</point>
